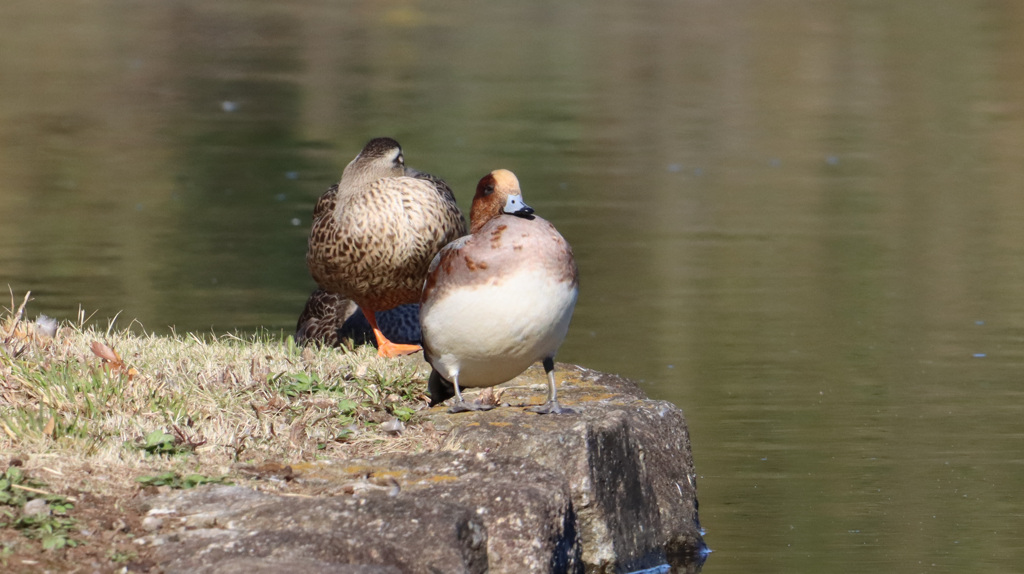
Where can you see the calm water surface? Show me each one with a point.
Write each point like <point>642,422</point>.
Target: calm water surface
<point>801,221</point>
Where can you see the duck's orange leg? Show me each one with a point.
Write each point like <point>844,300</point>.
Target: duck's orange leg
<point>386,348</point>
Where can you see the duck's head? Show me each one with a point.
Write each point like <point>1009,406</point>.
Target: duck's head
<point>497,193</point>
<point>381,157</point>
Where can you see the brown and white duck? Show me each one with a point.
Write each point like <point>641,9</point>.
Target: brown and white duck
<point>498,300</point>
<point>376,231</point>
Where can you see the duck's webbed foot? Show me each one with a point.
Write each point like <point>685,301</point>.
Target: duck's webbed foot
<point>391,350</point>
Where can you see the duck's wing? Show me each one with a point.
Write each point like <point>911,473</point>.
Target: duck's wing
<point>326,203</point>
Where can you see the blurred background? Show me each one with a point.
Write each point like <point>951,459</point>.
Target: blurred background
<point>801,221</point>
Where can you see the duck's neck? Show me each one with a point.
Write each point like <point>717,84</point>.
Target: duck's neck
<point>349,185</point>
<point>480,213</point>
<point>353,179</point>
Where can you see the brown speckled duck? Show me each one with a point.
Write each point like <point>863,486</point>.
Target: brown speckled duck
<point>376,231</point>
<point>498,300</point>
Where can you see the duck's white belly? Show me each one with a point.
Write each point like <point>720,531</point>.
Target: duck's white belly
<point>487,334</point>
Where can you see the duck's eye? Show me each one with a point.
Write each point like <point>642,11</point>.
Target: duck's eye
<point>489,189</point>
<point>400,160</point>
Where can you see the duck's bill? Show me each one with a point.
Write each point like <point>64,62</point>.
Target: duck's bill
<point>514,206</point>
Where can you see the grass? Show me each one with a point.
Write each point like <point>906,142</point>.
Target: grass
<point>174,480</point>
<point>193,404</point>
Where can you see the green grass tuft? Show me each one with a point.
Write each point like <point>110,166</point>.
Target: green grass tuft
<point>177,481</point>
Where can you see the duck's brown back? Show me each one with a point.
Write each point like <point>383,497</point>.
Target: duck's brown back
<point>375,244</point>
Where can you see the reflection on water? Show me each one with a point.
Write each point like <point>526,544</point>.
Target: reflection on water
<point>800,221</point>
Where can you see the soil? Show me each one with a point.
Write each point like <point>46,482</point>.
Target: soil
<point>106,528</point>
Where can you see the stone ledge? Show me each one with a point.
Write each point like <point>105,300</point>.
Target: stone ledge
<point>626,458</point>
<point>611,489</point>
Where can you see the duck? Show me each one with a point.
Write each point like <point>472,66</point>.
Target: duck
<point>498,300</point>
<point>328,319</point>
<point>375,232</point>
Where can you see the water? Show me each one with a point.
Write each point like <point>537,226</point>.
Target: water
<point>801,221</point>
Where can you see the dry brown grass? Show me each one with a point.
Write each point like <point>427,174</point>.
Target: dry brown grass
<point>134,404</point>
